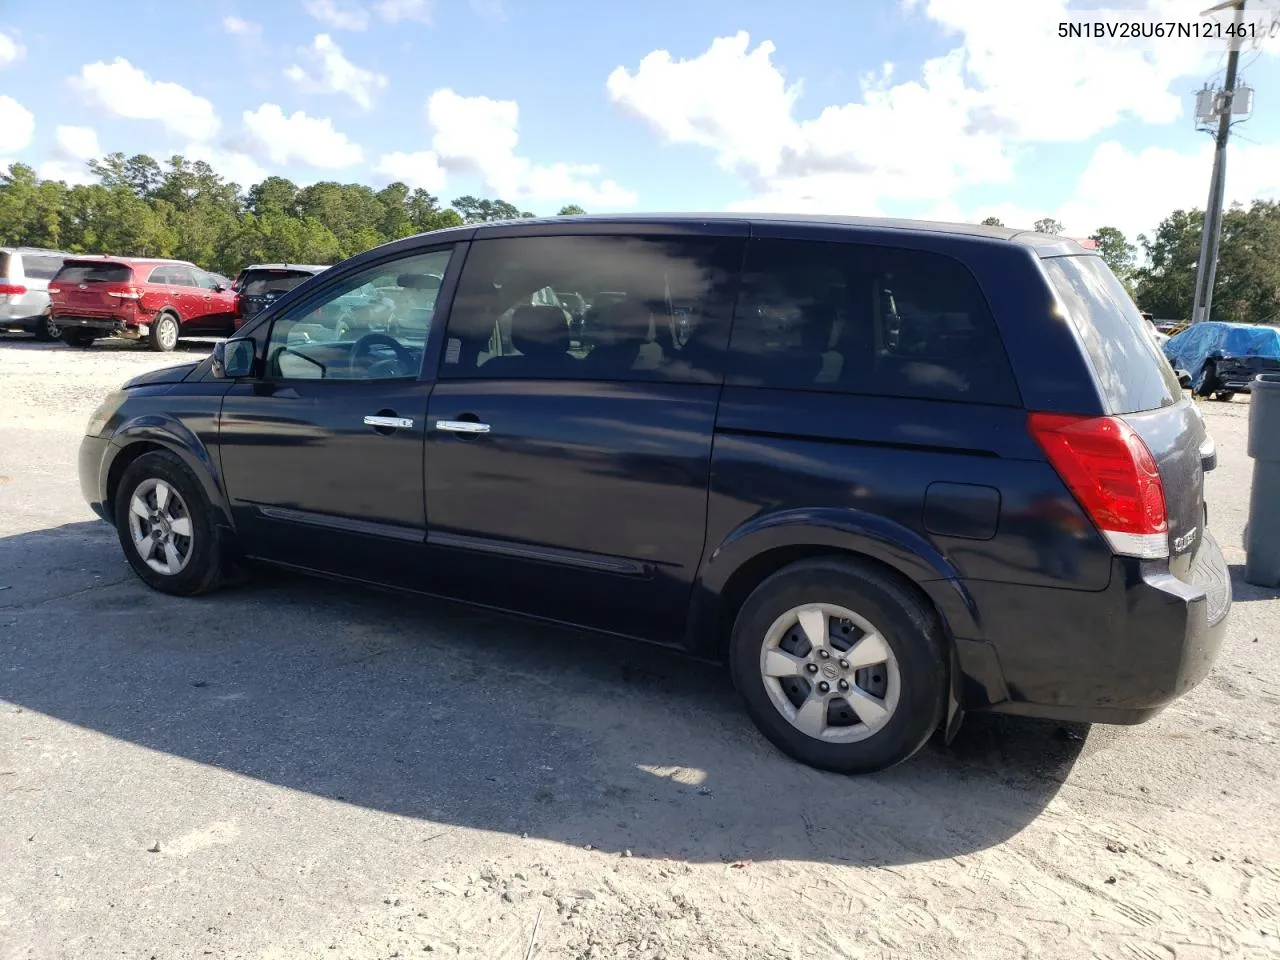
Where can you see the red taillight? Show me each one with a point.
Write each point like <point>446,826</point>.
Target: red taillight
<point>1113,477</point>
<point>12,289</point>
<point>124,292</point>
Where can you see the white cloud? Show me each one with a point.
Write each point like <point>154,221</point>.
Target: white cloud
<point>420,169</point>
<point>394,11</point>
<point>11,51</point>
<point>298,138</point>
<point>122,90</point>
<point>334,73</point>
<point>965,120</point>
<point>232,165</point>
<point>77,143</point>
<point>241,28</point>
<point>17,126</point>
<point>478,135</point>
<point>339,14</point>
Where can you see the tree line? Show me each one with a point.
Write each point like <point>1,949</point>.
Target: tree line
<point>1247,284</point>
<point>179,208</point>
<point>186,210</point>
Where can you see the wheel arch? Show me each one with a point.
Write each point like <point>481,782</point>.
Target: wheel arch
<point>157,432</point>
<point>758,549</point>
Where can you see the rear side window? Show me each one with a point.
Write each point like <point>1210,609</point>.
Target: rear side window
<point>257,283</point>
<point>72,272</point>
<point>39,267</point>
<point>1131,370</point>
<point>866,319</point>
<point>594,308</point>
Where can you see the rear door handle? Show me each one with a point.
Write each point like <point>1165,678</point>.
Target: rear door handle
<point>394,423</point>
<point>462,426</point>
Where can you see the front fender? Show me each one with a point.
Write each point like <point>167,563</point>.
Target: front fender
<point>844,530</point>
<point>171,434</point>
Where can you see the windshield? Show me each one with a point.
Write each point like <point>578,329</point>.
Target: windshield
<point>1255,342</point>
<point>260,283</point>
<point>1131,371</point>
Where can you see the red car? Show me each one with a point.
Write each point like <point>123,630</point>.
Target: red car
<point>136,298</point>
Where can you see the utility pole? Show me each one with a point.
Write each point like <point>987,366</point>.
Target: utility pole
<point>1212,232</point>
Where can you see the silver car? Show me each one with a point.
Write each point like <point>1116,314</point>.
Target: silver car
<point>25,273</point>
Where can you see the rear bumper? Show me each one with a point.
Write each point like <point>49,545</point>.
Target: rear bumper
<point>1119,655</point>
<point>23,315</point>
<point>107,326</point>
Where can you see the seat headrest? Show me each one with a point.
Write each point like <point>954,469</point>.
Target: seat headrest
<point>539,329</point>
<point>418,281</point>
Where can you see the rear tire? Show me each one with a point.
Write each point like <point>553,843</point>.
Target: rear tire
<point>1225,396</point>
<point>868,694</point>
<point>165,525</point>
<point>46,330</point>
<point>164,333</point>
<point>78,337</point>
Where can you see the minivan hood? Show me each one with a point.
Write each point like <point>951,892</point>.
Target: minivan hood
<point>174,374</point>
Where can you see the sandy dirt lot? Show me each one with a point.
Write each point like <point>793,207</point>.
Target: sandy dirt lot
<point>290,769</point>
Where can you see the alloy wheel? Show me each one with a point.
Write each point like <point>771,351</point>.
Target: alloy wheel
<point>830,673</point>
<point>160,525</point>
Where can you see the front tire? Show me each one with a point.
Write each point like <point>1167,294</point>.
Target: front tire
<point>163,336</point>
<point>839,665</point>
<point>165,525</point>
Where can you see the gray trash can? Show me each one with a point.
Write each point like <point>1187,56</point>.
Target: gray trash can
<point>1262,535</point>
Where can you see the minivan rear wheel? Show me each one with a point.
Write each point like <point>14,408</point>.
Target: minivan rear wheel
<point>46,330</point>
<point>839,665</point>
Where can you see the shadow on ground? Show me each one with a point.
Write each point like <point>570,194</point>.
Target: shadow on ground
<point>1242,591</point>
<point>429,710</point>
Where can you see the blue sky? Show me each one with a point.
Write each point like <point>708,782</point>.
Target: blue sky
<point>948,108</point>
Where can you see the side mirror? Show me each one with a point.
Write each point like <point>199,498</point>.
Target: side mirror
<point>233,359</point>
<point>219,288</point>
<point>1184,379</point>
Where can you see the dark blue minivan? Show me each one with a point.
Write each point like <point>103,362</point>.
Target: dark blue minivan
<point>888,471</point>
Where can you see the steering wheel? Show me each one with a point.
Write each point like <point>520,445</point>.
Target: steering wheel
<point>364,347</point>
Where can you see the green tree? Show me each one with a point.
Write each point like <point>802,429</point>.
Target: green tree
<point>1115,248</point>
<point>992,222</point>
<point>1048,225</point>
<point>1166,284</point>
<point>475,210</point>
<point>572,210</point>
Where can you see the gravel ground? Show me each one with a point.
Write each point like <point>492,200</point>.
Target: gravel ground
<point>292,769</point>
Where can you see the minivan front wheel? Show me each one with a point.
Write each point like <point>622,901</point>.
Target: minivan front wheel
<point>839,665</point>
<point>165,525</point>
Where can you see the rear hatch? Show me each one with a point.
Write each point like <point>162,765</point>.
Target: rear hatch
<point>1140,389</point>
<point>89,288</point>
<point>258,289</point>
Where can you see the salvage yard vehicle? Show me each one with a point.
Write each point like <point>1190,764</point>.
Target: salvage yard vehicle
<point>257,286</point>
<point>24,289</point>
<point>877,473</point>
<point>1222,359</point>
<point>138,298</point>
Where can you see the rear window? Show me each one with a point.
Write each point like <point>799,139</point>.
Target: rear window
<point>72,272</point>
<point>1132,372</point>
<point>40,266</point>
<point>854,318</point>
<point>257,283</point>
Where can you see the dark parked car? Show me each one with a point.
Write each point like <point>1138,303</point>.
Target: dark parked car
<point>881,477</point>
<point>1223,358</point>
<point>139,299</point>
<point>258,286</point>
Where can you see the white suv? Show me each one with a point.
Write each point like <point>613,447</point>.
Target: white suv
<point>24,289</point>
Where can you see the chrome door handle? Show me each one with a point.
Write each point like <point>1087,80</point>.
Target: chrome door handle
<point>462,426</point>
<point>395,423</point>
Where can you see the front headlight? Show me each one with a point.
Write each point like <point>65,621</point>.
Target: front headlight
<point>97,425</point>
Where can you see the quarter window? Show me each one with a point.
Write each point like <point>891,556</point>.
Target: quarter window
<point>594,308</point>
<point>866,319</point>
<point>372,325</point>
